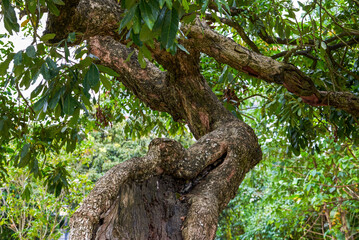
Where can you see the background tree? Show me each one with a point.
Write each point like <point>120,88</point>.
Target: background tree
<point>309,51</point>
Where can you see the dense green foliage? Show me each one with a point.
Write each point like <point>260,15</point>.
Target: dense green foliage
<point>313,195</point>
<point>45,216</point>
<point>53,96</point>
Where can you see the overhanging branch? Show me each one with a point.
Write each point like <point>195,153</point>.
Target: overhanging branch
<point>227,51</point>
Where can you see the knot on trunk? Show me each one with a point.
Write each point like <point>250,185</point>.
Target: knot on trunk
<point>172,192</point>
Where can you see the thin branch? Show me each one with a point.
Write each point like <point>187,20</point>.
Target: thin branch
<point>353,41</point>
<point>255,95</point>
<point>310,227</point>
<point>352,153</point>
<point>247,116</point>
<point>22,96</point>
<point>238,28</point>
<point>335,19</point>
<point>305,53</point>
<point>341,186</point>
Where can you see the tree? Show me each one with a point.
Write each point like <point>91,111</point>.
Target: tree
<point>174,192</point>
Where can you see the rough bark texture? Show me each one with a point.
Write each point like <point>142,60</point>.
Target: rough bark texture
<point>172,192</point>
<point>227,51</point>
<point>194,185</point>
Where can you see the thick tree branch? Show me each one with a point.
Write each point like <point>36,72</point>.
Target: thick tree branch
<point>227,51</point>
<point>181,91</point>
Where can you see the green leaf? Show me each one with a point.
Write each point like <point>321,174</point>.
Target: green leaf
<point>136,27</point>
<point>148,14</point>
<point>52,7</point>
<point>169,3</point>
<point>129,56</point>
<point>159,21</point>
<point>32,4</point>
<point>107,70</point>
<point>25,150</point>
<point>70,105</point>
<point>146,34</point>
<point>18,58</point>
<point>146,52</point>
<point>55,99</point>
<point>58,111</point>
<point>58,2</point>
<point>106,83</point>
<point>36,91</point>
<point>5,65</point>
<point>141,59</point>
<point>40,104</point>
<point>92,76</point>
<point>44,70</point>
<point>75,117</point>
<point>128,3</point>
<point>128,17</point>
<point>189,18</point>
<point>185,5</point>
<point>24,161</point>
<point>48,37</point>
<point>30,51</point>
<point>204,6</point>
<point>10,19</point>
<point>161,3</point>
<point>67,52</point>
<point>26,193</point>
<point>35,167</point>
<point>169,28</point>
<point>182,48</point>
<point>323,45</point>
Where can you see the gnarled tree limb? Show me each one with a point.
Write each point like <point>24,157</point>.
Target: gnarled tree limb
<point>234,145</point>
<point>227,51</point>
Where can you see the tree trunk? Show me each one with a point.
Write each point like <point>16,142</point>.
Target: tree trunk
<point>172,192</point>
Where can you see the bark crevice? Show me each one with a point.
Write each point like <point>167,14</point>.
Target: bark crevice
<point>150,197</point>
<point>233,147</point>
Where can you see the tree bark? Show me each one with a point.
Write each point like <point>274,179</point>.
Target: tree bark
<point>172,192</point>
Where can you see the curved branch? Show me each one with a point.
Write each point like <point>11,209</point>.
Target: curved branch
<point>182,91</point>
<point>227,51</point>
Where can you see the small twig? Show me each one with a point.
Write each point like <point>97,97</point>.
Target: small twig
<point>22,96</point>
<point>255,95</point>
<point>351,152</point>
<point>238,28</point>
<point>290,170</point>
<point>310,228</point>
